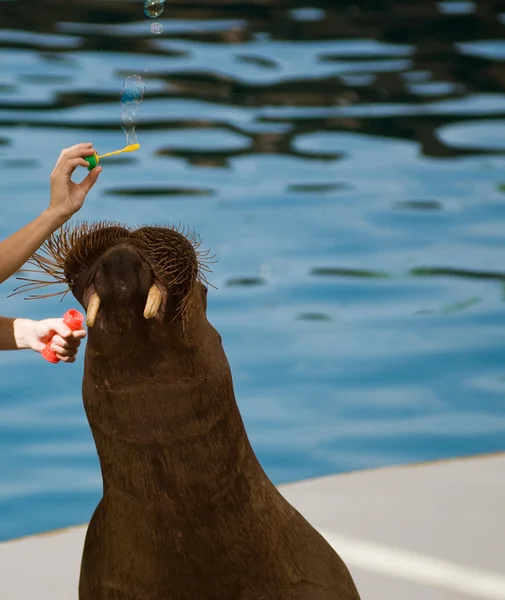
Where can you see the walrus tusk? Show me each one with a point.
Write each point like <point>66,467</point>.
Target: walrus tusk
<point>153,302</point>
<point>93,306</point>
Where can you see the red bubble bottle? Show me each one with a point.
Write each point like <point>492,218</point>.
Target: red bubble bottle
<point>73,319</point>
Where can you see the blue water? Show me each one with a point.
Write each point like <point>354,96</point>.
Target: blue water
<point>345,165</point>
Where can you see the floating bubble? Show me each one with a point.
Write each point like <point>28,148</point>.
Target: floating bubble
<point>133,90</point>
<point>128,119</point>
<point>132,95</point>
<point>129,124</point>
<point>156,28</point>
<point>154,8</point>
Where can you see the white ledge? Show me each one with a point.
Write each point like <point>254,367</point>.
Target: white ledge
<point>434,531</point>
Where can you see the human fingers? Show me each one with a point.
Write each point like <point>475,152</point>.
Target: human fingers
<point>66,335</point>
<point>77,151</point>
<point>80,334</point>
<point>47,328</point>
<point>67,359</point>
<point>63,352</point>
<point>65,343</point>
<point>68,167</point>
<point>50,328</point>
<point>90,180</point>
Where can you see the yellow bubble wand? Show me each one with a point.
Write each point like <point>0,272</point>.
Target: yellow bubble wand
<point>94,159</point>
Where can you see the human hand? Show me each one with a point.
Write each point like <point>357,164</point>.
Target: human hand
<point>68,197</point>
<point>35,335</point>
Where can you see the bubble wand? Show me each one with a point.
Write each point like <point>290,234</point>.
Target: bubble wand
<point>132,95</point>
<point>94,159</point>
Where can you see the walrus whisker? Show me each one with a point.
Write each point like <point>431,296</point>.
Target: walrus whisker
<point>42,296</point>
<point>28,271</point>
<point>28,287</point>
<point>34,281</point>
<point>206,268</point>
<point>92,310</point>
<point>74,247</point>
<point>153,302</point>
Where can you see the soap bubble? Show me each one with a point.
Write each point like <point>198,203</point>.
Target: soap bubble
<point>129,123</point>
<point>133,90</point>
<point>132,95</point>
<point>156,28</point>
<point>154,8</point>
<point>128,118</point>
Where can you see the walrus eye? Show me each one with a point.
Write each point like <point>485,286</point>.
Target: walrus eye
<point>153,302</point>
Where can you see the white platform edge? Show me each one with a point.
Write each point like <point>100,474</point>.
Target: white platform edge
<point>51,561</point>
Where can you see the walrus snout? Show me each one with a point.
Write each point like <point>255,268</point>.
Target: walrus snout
<point>123,280</point>
<point>110,267</point>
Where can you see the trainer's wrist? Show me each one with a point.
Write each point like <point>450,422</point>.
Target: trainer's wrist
<point>22,329</point>
<point>55,218</point>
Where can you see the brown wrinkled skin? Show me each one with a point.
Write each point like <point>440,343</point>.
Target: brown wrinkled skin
<point>187,511</point>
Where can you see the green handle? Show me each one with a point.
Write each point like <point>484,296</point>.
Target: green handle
<point>92,161</point>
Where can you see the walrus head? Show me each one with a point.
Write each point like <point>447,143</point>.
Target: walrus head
<point>155,370</point>
<point>149,281</point>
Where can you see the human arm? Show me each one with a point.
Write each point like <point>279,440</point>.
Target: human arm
<point>20,246</point>
<point>26,334</point>
<point>67,198</point>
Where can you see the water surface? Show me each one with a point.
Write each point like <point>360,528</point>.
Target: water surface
<point>345,165</point>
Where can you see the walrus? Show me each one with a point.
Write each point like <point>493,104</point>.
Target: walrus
<point>187,512</point>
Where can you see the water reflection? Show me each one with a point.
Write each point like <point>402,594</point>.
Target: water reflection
<point>134,193</point>
<point>423,61</point>
<point>344,163</point>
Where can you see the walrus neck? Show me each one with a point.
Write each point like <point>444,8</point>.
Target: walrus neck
<point>179,442</point>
